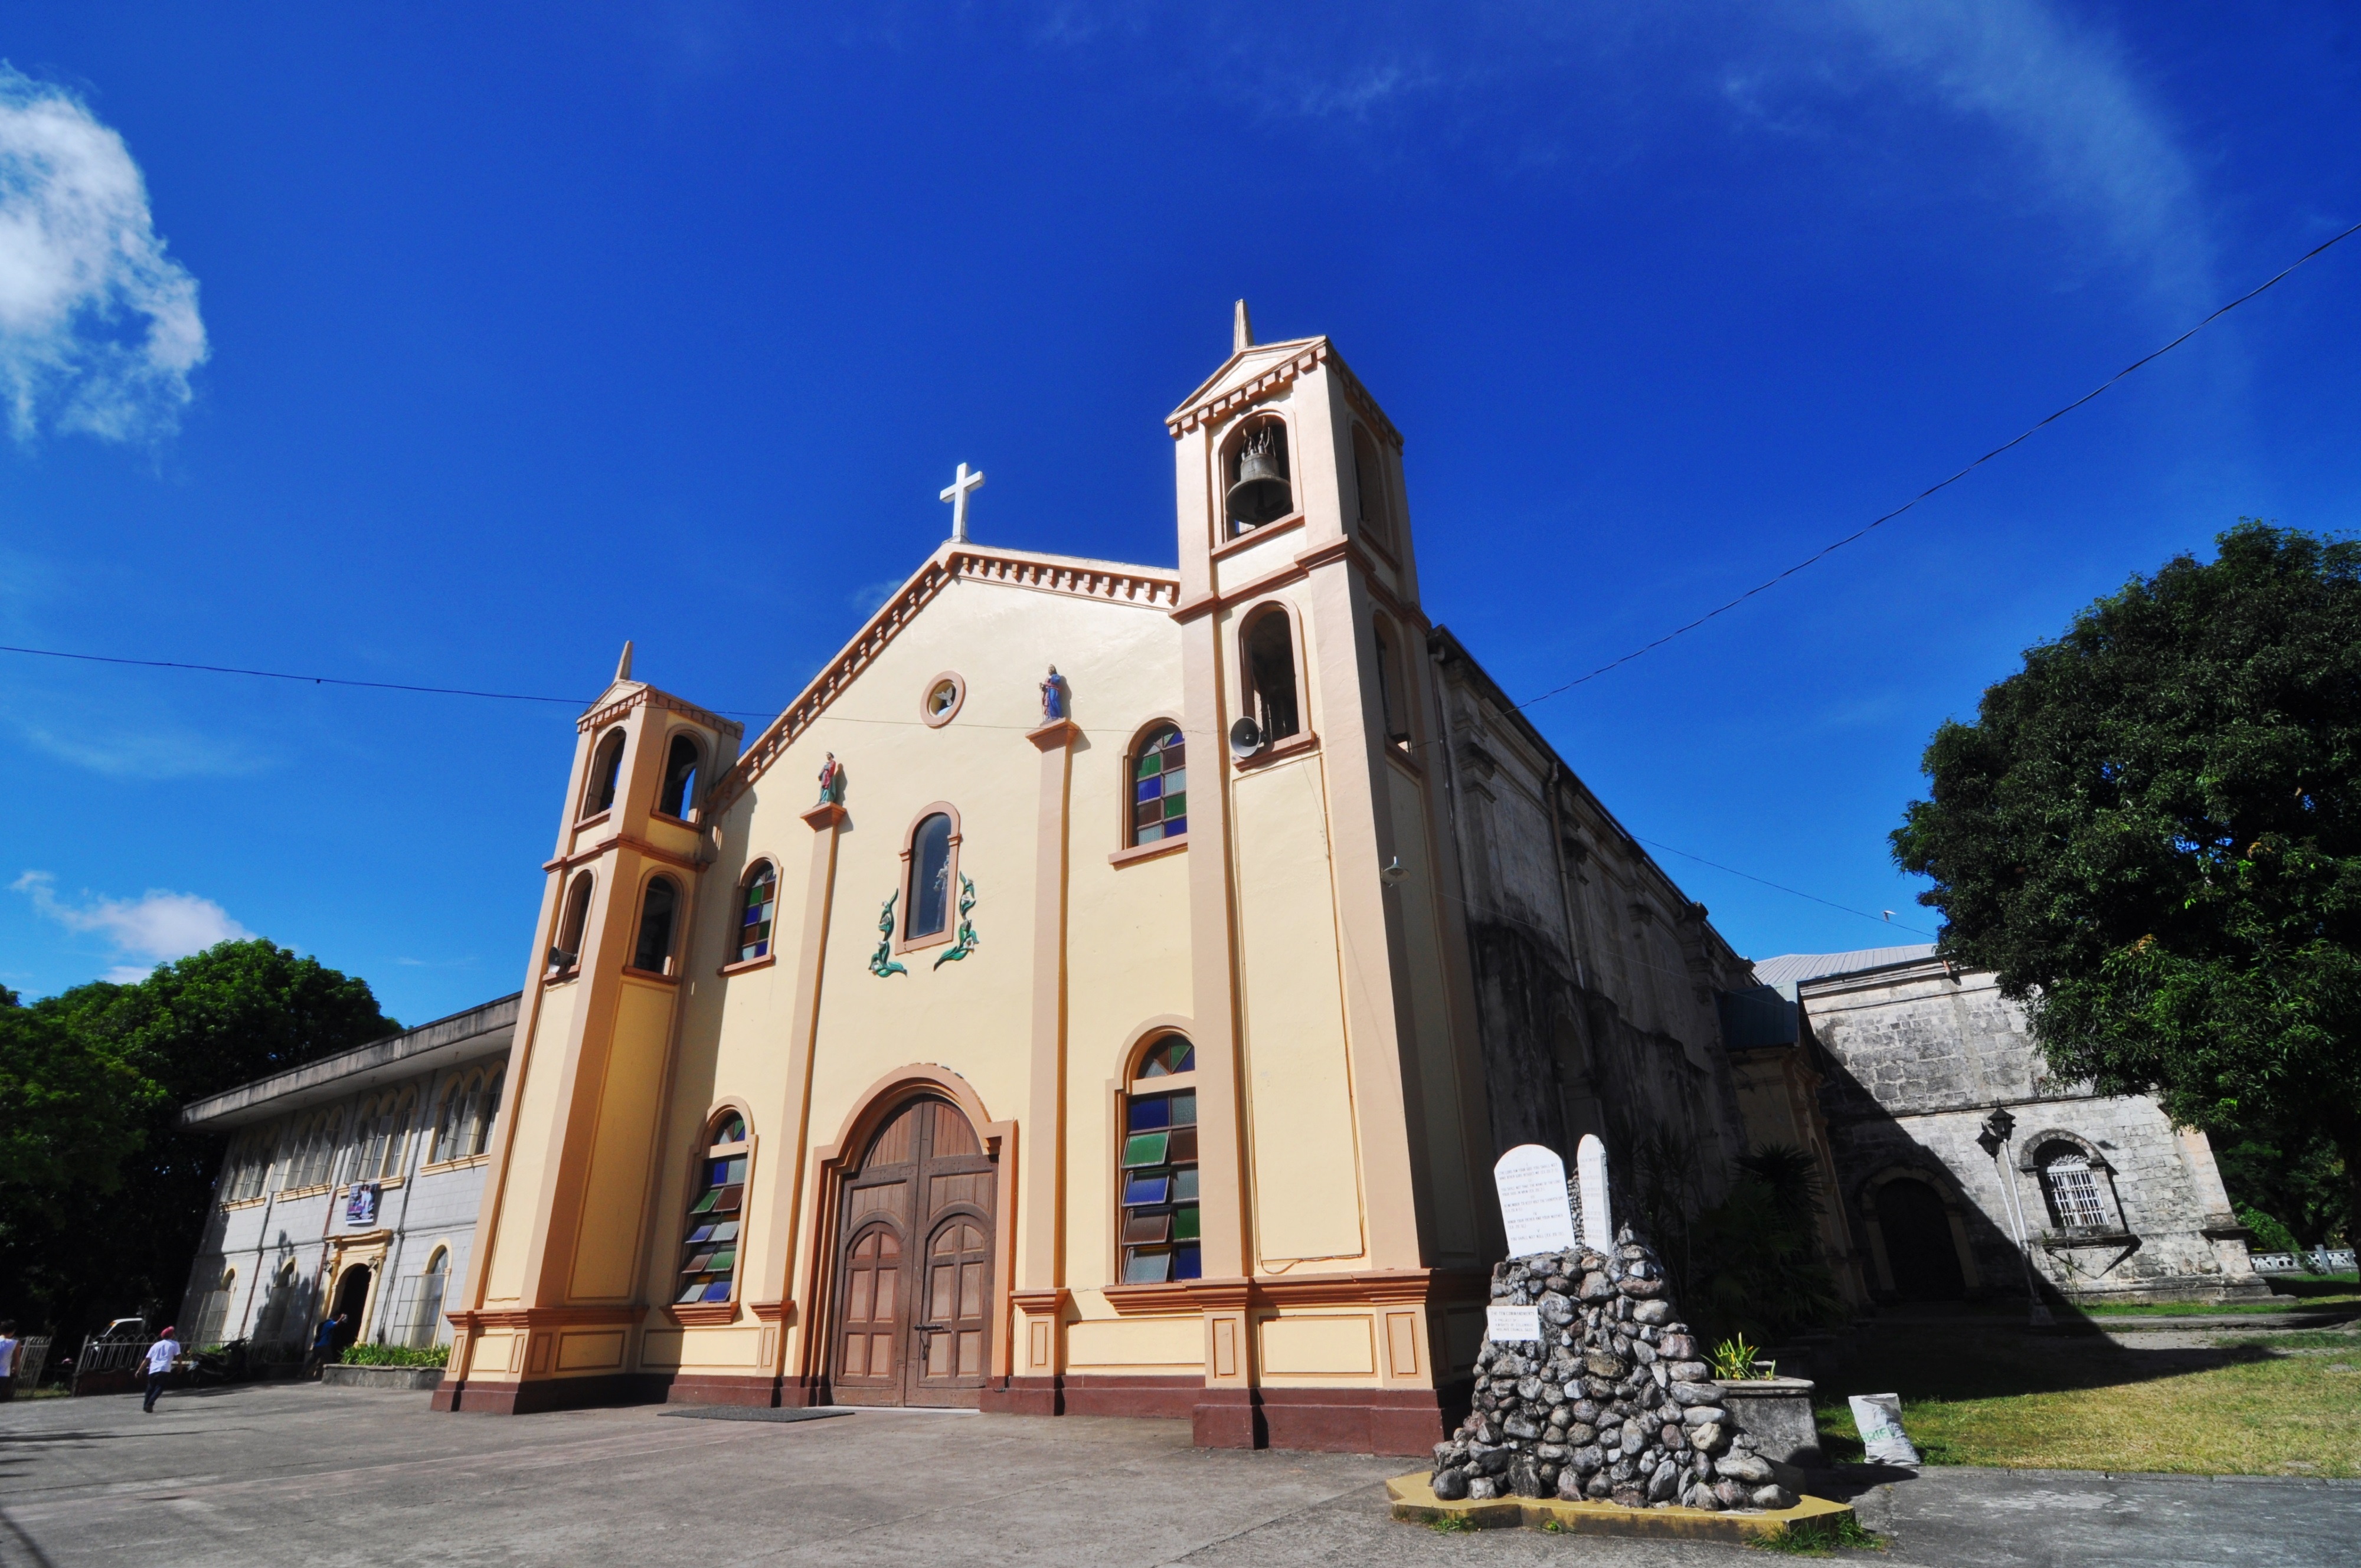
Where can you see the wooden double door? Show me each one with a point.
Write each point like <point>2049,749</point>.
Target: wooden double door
<point>914,1264</point>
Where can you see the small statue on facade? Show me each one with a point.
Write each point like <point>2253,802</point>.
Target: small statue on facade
<point>1053,697</point>
<point>831,781</point>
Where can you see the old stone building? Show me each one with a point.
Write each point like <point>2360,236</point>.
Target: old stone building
<point>350,1185</point>
<point>1134,1037</point>
<point>1958,1161</point>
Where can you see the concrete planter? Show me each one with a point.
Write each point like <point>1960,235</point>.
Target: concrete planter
<point>1777,1412</point>
<point>339,1376</point>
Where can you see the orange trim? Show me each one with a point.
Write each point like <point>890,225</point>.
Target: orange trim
<point>1295,745</point>
<point>1392,1286</point>
<point>742,965</point>
<point>651,974</point>
<point>547,1317</point>
<point>1286,524</point>
<point>1057,732</point>
<point>1154,852</point>
<point>903,944</point>
<point>926,695</point>
<point>780,1313</point>
<point>703,1314</point>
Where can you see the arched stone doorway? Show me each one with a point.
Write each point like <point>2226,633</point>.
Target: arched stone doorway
<point>1919,1248</point>
<point>913,1272</point>
<point>352,1303</point>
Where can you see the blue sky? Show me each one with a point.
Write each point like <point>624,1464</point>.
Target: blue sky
<point>455,346</point>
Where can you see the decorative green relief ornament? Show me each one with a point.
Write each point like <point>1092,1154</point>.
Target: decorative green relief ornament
<point>967,937</point>
<point>880,962</point>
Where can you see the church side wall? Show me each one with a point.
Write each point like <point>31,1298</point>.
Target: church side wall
<point>1914,1062</point>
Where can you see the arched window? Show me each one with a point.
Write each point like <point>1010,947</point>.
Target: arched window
<point>928,902</point>
<point>390,1138</point>
<point>565,953</point>
<point>418,1309</point>
<point>1159,787</point>
<point>1269,663</point>
<point>1257,486</point>
<point>372,1131</point>
<point>1158,1168</point>
<point>482,1108</point>
<point>681,760</point>
<point>709,1250</point>
<point>755,911</point>
<point>605,772</point>
<point>1392,707</point>
<point>652,951</point>
<point>2072,1184</point>
<point>1369,486</point>
<point>450,1118</point>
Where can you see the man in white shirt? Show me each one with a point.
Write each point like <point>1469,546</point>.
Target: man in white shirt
<point>8,1362</point>
<point>160,1356</point>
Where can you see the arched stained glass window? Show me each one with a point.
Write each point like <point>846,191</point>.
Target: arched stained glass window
<point>929,900</point>
<point>1157,1170</point>
<point>754,915</point>
<point>709,1250</point>
<point>1160,787</point>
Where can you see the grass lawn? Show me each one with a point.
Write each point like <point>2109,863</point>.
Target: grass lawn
<point>2293,1293</point>
<point>1975,1396</point>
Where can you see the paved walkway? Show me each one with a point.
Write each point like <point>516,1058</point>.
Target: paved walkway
<point>282,1473</point>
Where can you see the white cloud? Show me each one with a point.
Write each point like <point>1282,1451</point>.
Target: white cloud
<point>99,328</point>
<point>158,926</point>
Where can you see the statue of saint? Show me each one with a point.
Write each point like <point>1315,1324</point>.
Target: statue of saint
<point>831,781</point>
<point>1053,697</point>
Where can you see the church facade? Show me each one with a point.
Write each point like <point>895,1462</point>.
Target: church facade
<point>1136,1037</point>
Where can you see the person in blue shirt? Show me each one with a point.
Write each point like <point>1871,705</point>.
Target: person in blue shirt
<point>160,1356</point>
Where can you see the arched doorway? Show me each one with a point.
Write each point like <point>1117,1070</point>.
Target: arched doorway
<point>914,1264</point>
<point>352,1301</point>
<point>1918,1246</point>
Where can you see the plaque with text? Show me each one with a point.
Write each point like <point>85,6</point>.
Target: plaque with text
<point>1512,1325</point>
<point>1533,1207</point>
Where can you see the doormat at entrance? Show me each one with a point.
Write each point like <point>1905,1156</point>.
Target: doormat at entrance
<point>757,1412</point>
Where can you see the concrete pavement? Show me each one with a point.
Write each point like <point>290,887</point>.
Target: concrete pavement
<point>287,1473</point>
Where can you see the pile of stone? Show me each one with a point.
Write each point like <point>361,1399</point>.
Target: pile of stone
<point>1613,1404</point>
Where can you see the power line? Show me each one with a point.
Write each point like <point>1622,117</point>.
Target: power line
<point>329,680</point>
<point>1884,920</point>
<point>2022,435</point>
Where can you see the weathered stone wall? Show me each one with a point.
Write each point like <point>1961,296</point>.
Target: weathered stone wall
<point>1595,975</point>
<point>1914,1059</point>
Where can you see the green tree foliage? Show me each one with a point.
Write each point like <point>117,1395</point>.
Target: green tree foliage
<point>2298,1184</point>
<point>2152,834</point>
<point>115,1193</point>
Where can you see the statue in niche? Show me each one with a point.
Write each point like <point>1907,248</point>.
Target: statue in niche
<point>831,781</point>
<point>1054,700</point>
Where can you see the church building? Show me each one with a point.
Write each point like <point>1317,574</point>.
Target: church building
<point>1105,989</point>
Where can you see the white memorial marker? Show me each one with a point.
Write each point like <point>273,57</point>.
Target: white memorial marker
<point>1590,1168</point>
<point>1533,1209</point>
<point>1512,1325</point>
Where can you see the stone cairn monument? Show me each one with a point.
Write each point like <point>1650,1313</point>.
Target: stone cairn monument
<point>1588,1387</point>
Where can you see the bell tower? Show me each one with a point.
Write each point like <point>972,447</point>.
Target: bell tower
<point>555,1289</point>
<point>1334,1138</point>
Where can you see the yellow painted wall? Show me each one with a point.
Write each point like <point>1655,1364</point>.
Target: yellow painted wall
<point>1452,1199</point>
<point>1135,1343</point>
<point>536,1119</point>
<point>1306,1182</point>
<point>607,1241</point>
<point>1336,1346</point>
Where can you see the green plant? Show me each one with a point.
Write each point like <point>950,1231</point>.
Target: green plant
<point>1553,1527</point>
<point>1448,1524</point>
<point>1757,1268</point>
<point>1819,1536</point>
<point>396,1355</point>
<point>1737,1361</point>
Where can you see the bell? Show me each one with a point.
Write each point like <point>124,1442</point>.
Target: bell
<point>1262,493</point>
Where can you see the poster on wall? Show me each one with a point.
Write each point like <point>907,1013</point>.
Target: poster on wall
<point>360,1205</point>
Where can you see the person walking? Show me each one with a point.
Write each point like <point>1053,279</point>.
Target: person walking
<point>324,1343</point>
<point>8,1343</point>
<point>160,1356</point>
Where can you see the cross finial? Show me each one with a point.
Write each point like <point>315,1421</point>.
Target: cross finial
<point>956,492</point>
<point>1242,333</point>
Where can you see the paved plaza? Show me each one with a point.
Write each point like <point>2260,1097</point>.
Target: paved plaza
<point>298,1474</point>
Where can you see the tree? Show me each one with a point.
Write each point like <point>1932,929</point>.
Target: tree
<point>74,1248</point>
<point>2152,835</point>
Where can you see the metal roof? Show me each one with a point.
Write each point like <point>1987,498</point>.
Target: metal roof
<point>1794,968</point>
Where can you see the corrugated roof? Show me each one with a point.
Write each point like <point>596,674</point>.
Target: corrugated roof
<point>1792,969</point>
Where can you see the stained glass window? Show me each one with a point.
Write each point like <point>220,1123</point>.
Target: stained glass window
<point>755,920</point>
<point>1159,788</point>
<point>709,1247</point>
<point>931,874</point>
<point>1159,1157</point>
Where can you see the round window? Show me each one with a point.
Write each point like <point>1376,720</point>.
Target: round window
<point>944,695</point>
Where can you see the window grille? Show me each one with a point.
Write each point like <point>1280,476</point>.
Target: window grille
<point>1159,788</point>
<point>2074,1193</point>
<point>1159,1173</point>
<point>709,1251</point>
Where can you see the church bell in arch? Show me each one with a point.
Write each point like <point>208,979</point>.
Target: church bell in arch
<point>1260,492</point>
